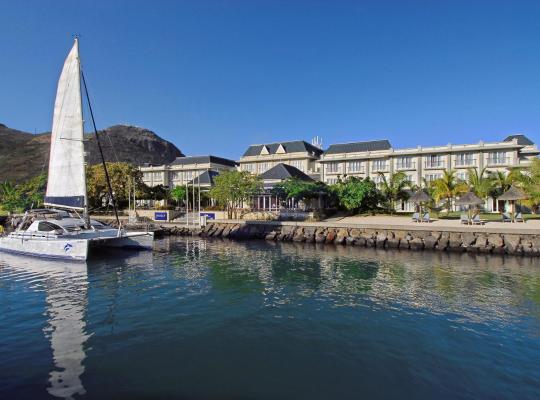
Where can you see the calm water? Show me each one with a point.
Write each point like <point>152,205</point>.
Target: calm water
<point>253,320</point>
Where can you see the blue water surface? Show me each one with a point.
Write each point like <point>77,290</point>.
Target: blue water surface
<point>217,319</point>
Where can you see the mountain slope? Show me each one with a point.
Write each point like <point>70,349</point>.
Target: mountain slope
<point>24,155</point>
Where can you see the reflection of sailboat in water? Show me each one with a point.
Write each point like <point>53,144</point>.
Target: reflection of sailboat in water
<point>65,284</point>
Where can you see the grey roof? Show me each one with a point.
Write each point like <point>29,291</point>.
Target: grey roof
<point>513,194</point>
<point>522,140</point>
<point>284,171</point>
<point>358,147</point>
<point>204,160</point>
<point>296,146</point>
<point>205,179</point>
<point>469,199</point>
<point>420,196</point>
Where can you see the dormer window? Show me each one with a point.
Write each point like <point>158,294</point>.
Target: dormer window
<point>280,149</point>
<point>264,151</point>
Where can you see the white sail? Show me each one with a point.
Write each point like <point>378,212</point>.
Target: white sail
<point>66,185</point>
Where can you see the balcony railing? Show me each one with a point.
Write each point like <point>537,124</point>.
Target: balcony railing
<point>400,166</point>
<point>379,167</point>
<point>434,164</point>
<point>466,163</point>
<point>360,170</point>
<point>498,160</point>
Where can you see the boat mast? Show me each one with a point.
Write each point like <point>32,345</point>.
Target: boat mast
<point>109,186</point>
<point>86,215</point>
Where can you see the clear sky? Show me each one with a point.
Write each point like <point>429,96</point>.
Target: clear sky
<point>216,76</point>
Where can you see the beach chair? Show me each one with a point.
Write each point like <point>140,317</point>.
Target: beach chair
<point>416,217</point>
<point>464,219</point>
<point>506,217</point>
<point>477,221</point>
<point>425,218</point>
<point>519,217</point>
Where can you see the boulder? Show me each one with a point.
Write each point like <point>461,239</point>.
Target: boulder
<point>430,242</point>
<point>512,244</point>
<point>330,236</point>
<point>393,243</point>
<point>341,235</point>
<point>380,239</point>
<point>271,236</point>
<point>416,244</point>
<point>495,240</point>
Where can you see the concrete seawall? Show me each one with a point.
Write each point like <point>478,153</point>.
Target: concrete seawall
<point>415,237</point>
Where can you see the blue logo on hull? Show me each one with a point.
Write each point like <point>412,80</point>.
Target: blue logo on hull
<point>68,247</point>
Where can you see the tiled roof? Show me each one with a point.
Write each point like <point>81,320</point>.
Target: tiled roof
<point>297,146</point>
<point>522,140</point>
<point>204,160</point>
<point>284,171</point>
<point>358,147</point>
<point>206,178</point>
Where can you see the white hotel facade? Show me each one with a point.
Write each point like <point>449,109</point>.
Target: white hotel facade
<point>359,159</point>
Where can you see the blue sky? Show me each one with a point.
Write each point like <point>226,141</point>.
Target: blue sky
<point>216,76</point>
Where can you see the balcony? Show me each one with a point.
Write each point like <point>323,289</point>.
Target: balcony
<point>403,166</point>
<point>498,161</point>
<point>360,170</point>
<point>379,167</point>
<point>435,164</point>
<point>467,163</point>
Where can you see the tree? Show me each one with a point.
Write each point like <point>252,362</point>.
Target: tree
<point>294,188</point>
<point>480,183</point>
<point>32,192</point>
<point>393,189</point>
<point>178,193</point>
<point>529,181</point>
<point>501,182</point>
<point>357,194</point>
<point>232,188</point>
<point>447,188</point>
<point>124,177</point>
<point>10,199</point>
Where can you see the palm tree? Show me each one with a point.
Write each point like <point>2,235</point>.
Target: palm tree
<point>447,188</point>
<point>501,182</point>
<point>529,180</point>
<point>393,188</point>
<point>480,183</point>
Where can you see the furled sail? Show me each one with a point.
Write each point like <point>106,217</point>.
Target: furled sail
<point>66,185</point>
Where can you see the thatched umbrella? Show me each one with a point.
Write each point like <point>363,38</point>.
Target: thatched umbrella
<point>512,195</point>
<point>469,199</point>
<point>420,197</point>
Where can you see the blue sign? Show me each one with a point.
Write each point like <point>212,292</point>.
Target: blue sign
<point>160,216</point>
<point>209,215</point>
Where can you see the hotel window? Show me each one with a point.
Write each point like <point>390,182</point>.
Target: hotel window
<point>158,176</point>
<point>332,181</point>
<point>147,176</point>
<point>332,167</point>
<point>497,157</point>
<point>462,176</point>
<point>248,167</point>
<point>378,179</point>
<point>177,176</point>
<point>432,177</point>
<point>410,178</point>
<point>297,164</point>
<point>188,175</point>
<point>355,166</point>
<point>464,159</point>
<point>263,167</point>
<point>378,165</point>
<point>405,163</point>
<point>434,161</point>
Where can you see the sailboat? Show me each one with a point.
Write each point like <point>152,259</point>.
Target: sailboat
<point>64,229</point>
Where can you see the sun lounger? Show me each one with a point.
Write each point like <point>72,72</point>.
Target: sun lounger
<point>506,217</point>
<point>425,218</point>
<point>519,217</point>
<point>477,221</point>
<point>464,219</point>
<point>416,217</point>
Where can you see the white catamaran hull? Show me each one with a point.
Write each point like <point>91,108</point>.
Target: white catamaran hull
<point>73,249</point>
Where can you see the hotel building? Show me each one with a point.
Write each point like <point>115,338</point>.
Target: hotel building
<point>373,158</point>
<point>185,170</point>
<point>304,156</point>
